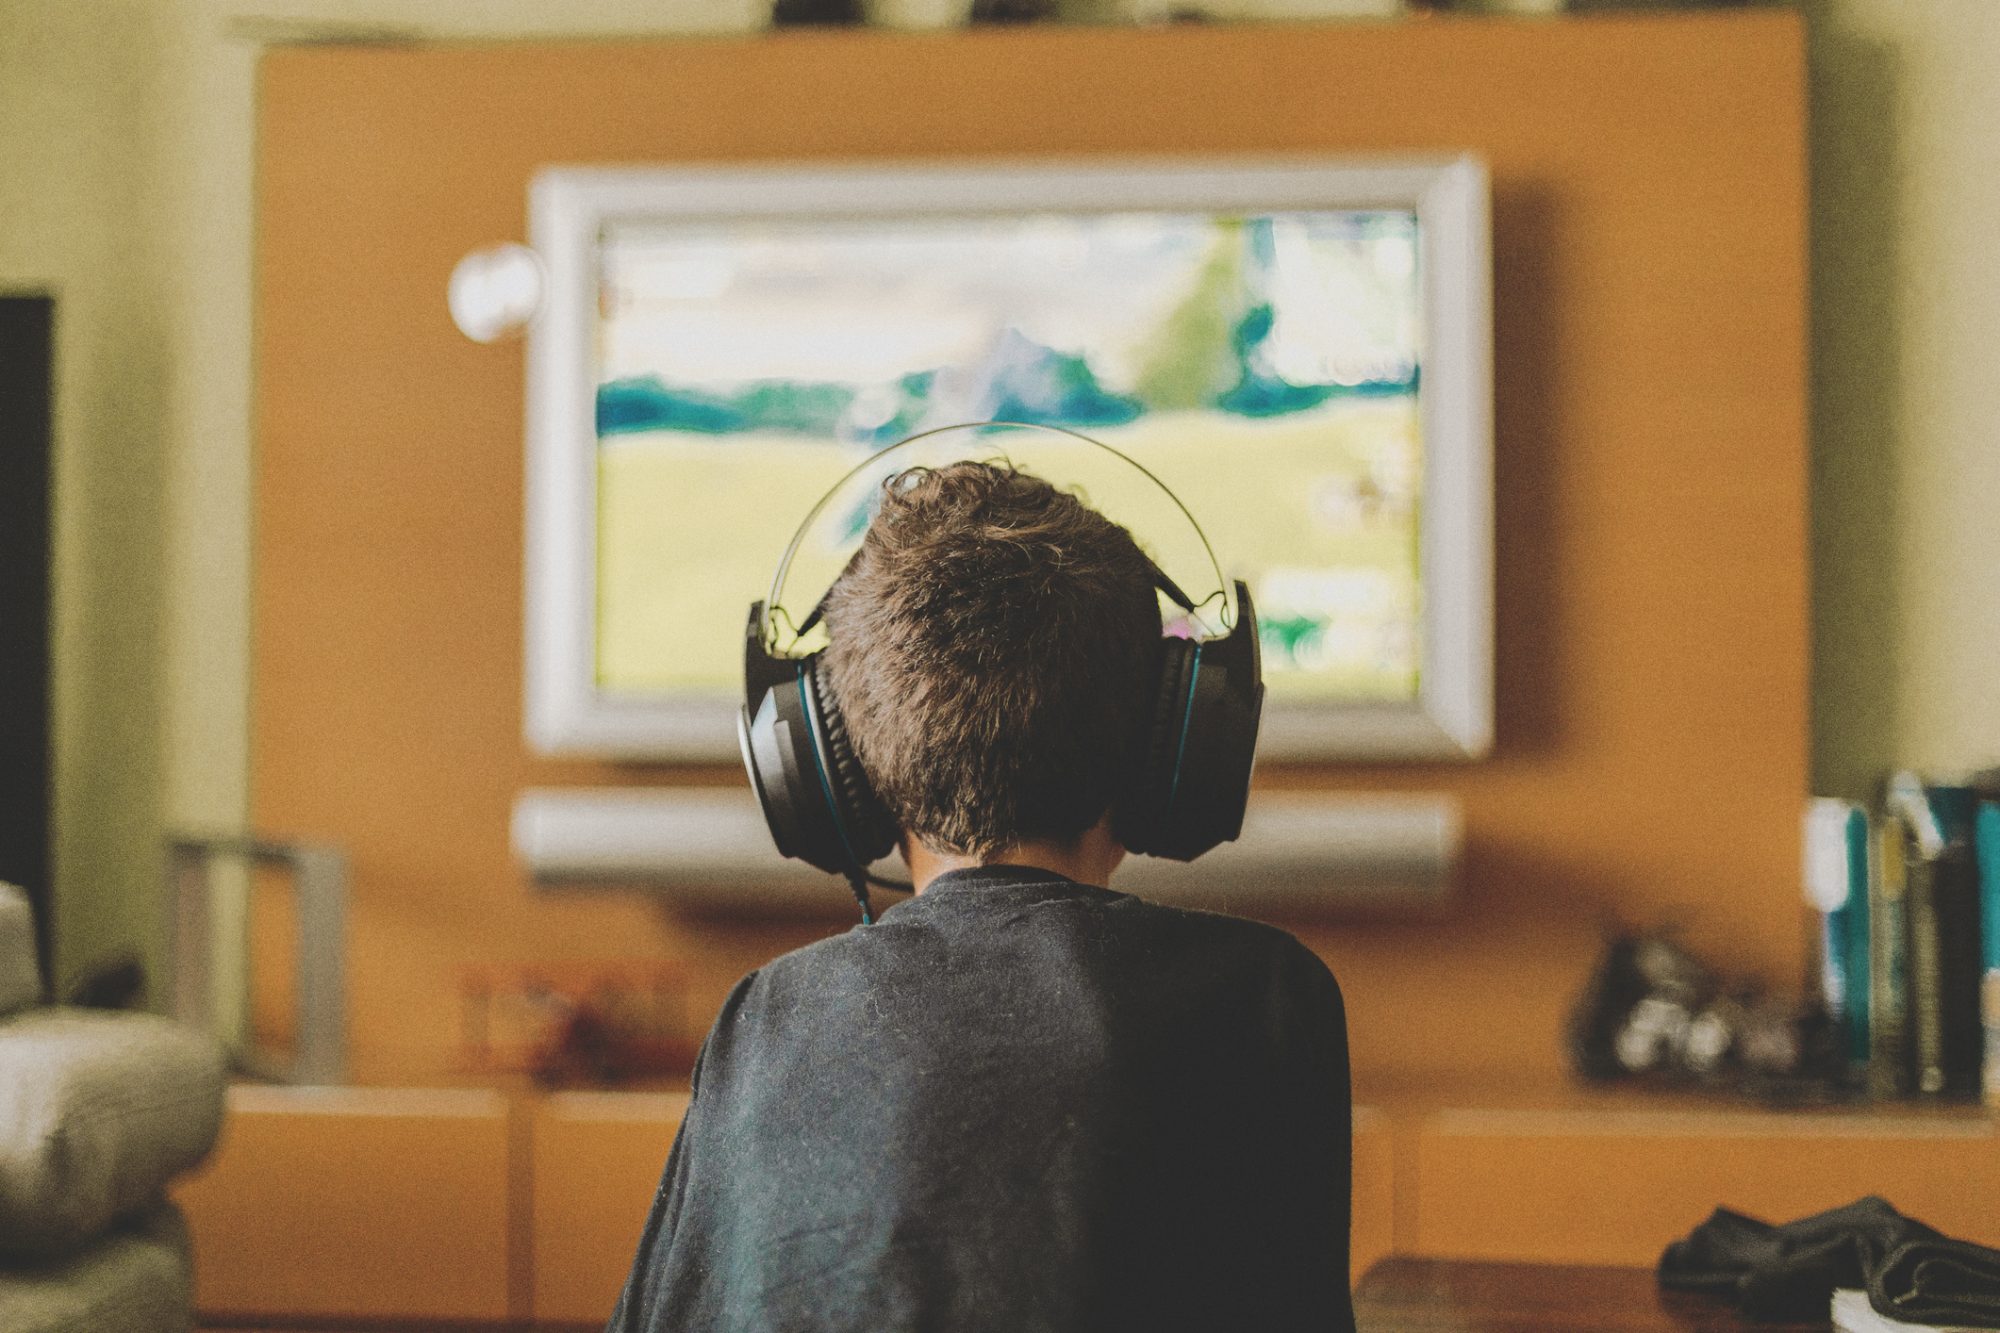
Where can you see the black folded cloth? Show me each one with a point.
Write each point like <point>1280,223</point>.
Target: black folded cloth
<point>1789,1272</point>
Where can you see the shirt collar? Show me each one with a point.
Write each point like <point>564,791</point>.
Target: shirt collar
<point>996,885</point>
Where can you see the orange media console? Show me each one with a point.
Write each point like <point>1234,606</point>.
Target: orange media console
<point>400,1204</point>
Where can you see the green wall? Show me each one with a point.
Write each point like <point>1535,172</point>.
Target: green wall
<point>78,183</point>
<point>1906,331</point>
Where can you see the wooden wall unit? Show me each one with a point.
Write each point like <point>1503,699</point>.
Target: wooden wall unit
<point>1613,1187</point>
<point>1649,241</point>
<point>390,1204</point>
<point>596,1161</point>
<point>376,1204</point>
<point>420,1205</point>
<point>1373,1215</point>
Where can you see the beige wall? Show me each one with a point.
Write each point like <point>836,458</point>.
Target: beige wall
<point>1906,276</point>
<point>127,110</point>
<point>79,202</point>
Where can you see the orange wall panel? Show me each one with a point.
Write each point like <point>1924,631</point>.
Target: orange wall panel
<point>1649,242</point>
<point>354,1203</point>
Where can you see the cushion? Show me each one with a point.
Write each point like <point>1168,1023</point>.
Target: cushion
<point>98,1110</point>
<point>20,978</point>
<point>134,1280</point>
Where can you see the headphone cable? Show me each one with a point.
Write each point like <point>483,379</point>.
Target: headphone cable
<point>858,881</point>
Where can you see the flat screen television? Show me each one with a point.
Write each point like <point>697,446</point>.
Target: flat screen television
<point>1299,348</point>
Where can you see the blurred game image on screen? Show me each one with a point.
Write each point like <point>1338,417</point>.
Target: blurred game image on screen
<point>1266,367</point>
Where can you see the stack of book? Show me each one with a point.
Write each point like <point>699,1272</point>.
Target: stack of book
<point>1906,904</point>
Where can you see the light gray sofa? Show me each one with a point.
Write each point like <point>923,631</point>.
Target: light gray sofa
<point>98,1111</point>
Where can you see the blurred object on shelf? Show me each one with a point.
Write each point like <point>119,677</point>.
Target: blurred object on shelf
<point>1305,9</point>
<point>1941,933</point>
<point>1653,1011</point>
<point>1905,905</point>
<point>1911,1276</point>
<point>1543,8</point>
<point>815,13</point>
<point>582,1024</point>
<point>916,15</point>
<point>1013,11</point>
<point>1223,11</point>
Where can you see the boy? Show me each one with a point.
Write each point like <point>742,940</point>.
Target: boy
<point>1020,1101</point>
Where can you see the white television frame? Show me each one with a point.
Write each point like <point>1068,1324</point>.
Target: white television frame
<point>1452,716</point>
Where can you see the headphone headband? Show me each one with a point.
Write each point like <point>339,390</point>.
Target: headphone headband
<point>1118,486</point>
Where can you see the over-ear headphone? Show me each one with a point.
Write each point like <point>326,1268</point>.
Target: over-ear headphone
<point>1188,791</point>
<point>1185,793</point>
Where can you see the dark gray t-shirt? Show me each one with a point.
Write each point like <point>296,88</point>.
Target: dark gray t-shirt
<point>1015,1103</point>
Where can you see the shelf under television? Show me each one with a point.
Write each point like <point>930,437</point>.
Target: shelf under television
<point>1302,854</point>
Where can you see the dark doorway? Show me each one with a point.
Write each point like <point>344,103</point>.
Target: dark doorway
<point>27,327</point>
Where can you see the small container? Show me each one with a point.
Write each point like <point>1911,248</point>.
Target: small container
<point>916,15</point>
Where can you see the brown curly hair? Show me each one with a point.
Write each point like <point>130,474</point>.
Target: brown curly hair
<point>992,646</point>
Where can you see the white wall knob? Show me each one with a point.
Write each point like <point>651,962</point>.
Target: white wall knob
<point>495,291</point>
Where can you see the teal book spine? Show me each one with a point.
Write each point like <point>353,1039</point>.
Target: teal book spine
<point>1854,929</point>
<point>1986,844</point>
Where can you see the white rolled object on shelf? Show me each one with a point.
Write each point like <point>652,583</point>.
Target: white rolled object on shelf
<point>1311,853</point>
<point>704,846</point>
<point>1302,853</point>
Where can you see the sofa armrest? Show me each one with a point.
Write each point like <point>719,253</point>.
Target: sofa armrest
<point>98,1111</point>
<point>138,1279</point>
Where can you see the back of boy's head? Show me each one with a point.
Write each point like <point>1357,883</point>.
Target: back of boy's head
<point>993,647</point>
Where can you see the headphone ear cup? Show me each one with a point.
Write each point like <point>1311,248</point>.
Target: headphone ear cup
<point>1195,778</point>
<point>870,828</point>
<point>815,797</point>
<point>780,755</point>
<point>1141,819</point>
